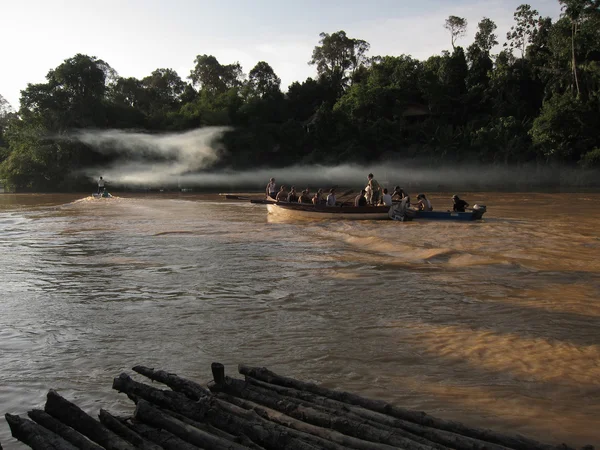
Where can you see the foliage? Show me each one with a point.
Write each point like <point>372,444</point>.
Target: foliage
<point>457,26</point>
<point>522,33</point>
<point>461,105</point>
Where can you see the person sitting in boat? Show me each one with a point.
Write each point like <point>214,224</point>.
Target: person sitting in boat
<point>331,197</point>
<point>305,197</point>
<point>459,204</point>
<point>375,190</point>
<point>292,196</point>
<point>398,191</point>
<point>368,194</point>
<point>360,199</point>
<point>386,198</point>
<point>318,198</point>
<point>423,204</point>
<point>271,189</point>
<point>282,194</point>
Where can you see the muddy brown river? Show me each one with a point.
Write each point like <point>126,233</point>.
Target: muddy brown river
<point>494,323</point>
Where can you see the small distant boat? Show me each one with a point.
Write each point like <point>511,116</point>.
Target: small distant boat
<point>104,194</point>
<point>475,214</point>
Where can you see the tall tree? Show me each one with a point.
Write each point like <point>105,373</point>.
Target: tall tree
<point>263,81</point>
<point>457,26</point>
<point>214,77</point>
<point>521,34</point>
<point>338,56</point>
<point>577,11</point>
<point>485,38</point>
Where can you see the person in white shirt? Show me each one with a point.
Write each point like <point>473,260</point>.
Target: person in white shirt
<point>386,198</point>
<point>331,197</point>
<point>271,190</point>
<point>100,185</point>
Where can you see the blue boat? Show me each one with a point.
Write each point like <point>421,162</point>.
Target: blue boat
<point>475,214</point>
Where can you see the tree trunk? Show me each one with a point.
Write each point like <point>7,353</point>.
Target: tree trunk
<point>573,61</point>
<point>224,416</point>
<point>321,419</point>
<point>163,438</point>
<point>72,415</point>
<point>118,427</point>
<point>147,413</point>
<point>419,433</point>
<point>419,417</point>
<point>67,433</point>
<point>189,388</point>
<point>324,433</point>
<point>36,436</point>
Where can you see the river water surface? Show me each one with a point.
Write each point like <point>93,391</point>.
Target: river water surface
<point>495,323</point>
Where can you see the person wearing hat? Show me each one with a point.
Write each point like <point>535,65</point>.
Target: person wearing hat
<point>459,204</point>
<point>423,204</point>
<point>399,192</point>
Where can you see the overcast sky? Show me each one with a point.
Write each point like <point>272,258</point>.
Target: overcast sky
<point>137,36</point>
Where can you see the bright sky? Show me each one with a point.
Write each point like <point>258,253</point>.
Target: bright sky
<point>137,36</point>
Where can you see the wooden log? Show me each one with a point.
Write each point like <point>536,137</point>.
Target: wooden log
<point>429,436</point>
<point>331,435</point>
<point>67,433</point>
<point>147,413</point>
<point>344,423</point>
<point>166,440</point>
<point>238,439</point>
<point>218,371</point>
<point>70,414</point>
<point>190,388</point>
<point>119,428</point>
<point>419,417</point>
<point>36,436</point>
<point>225,416</point>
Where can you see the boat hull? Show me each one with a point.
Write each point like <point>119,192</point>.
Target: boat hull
<point>448,215</point>
<point>329,212</point>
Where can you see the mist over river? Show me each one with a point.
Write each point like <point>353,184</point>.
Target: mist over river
<point>494,323</point>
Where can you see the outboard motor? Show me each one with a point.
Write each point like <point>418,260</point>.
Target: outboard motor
<point>481,208</point>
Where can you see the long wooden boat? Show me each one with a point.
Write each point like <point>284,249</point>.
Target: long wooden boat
<point>306,211</point>
<point>299,210</point>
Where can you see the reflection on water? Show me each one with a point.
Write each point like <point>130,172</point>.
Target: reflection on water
<point>492,323</point>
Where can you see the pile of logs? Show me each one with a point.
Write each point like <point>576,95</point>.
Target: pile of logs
<point>264,411</point>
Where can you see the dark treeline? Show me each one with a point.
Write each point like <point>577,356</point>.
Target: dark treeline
<point>535,102</point>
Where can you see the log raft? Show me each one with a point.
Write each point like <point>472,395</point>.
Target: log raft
<point>263,411</point>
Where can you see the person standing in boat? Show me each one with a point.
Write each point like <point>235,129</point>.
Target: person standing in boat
<point>100,185</point>
<point>459,204</point>
<point>375,190</point>
<point>282,194</point>
<point>386,198</point>
<point>331,197</point>
<point>271,189</point>
<point>423,204</point>
<point>360,199</point>
<point>292,196</point>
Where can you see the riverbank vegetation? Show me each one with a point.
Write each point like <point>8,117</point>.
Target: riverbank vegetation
<point>537,101</point>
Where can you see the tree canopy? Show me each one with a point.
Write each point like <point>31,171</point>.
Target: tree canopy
<point>535,102</point>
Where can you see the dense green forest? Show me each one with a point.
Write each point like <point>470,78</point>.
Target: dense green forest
<point>535,102</point>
